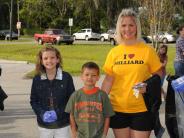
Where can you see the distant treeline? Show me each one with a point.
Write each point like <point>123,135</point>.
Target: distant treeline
<point>36,15</point>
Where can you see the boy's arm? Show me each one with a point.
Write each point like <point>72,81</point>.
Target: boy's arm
<point>106,127</point>
<point>73,126</point>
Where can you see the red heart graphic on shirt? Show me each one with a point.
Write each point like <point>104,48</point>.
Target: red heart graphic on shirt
<point>131,55</point>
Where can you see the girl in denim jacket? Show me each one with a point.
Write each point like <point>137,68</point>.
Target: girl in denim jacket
<point>51,89</point>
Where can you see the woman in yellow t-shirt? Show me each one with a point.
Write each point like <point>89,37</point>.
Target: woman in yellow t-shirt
<point>128,64</point>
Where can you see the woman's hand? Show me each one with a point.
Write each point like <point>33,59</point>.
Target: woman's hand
<point>143,89</point>
<point>140,87</point>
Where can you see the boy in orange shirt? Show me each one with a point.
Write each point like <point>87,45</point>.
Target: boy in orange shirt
<point>89,107</point>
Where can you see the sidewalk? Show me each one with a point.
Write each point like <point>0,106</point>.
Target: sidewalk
<point>18,119</point>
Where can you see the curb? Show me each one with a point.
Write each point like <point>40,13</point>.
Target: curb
<point>13,62</point>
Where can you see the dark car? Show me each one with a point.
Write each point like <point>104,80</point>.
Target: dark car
<point>146,39</point>
<point>5,35</point>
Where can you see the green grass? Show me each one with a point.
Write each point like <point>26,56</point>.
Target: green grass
<point>73,56</point>
<point>171,56</point>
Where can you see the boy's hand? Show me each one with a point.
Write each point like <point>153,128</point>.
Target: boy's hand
<point>49,116</point>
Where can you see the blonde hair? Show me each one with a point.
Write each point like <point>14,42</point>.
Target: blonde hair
<point>39,66</point>
<point>125,13</point>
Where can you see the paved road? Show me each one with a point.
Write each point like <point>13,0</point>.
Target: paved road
<point>18,120</point>
<point>24,41</point>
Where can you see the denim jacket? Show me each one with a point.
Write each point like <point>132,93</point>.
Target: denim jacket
<point>52,95</point>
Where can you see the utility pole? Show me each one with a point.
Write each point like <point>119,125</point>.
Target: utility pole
<point>11,19</point>
<point>18,17</point>
<point>90,14</point>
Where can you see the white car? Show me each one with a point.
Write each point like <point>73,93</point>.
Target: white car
<point>105,36</point>
<point>163,37</point>
<point>86,34</point>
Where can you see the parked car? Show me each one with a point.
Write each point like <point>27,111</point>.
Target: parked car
<point>5,35</point>
<point>86,34</point>
<point>163,37</point>
<point>105,36</point>
<point>54,36</point>
<point>111,38</point>
<point>113,41</point>
<point>146,39</point>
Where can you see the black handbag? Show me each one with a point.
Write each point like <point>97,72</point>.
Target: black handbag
<point>3,96</point>
<point>170,109</point>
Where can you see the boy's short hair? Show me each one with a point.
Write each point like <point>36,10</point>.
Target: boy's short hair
<point>91,65</point>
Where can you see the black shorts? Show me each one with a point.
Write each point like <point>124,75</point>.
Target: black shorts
<point>143,121</point>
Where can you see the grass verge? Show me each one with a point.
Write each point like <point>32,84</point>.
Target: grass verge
<point>73,55</point>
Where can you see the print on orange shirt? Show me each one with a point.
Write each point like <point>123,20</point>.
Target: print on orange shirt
<point>89,107</point>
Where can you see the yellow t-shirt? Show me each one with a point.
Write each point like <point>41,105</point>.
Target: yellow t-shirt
<point>130,65</point>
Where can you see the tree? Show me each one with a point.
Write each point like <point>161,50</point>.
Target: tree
<point>87,13</point>
<point>55,13</point>
<point>179,16</point>
<point>97,14</point>
<point>159,15</point>
<point>112,9</point>
<point>5,8</point>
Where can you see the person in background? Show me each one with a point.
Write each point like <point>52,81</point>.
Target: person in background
<point>179,59</point>
<point>50,92</point>
<point>89,107</point>
<point>3,95</point>
<point>162,54</point>
<point>126,68</point>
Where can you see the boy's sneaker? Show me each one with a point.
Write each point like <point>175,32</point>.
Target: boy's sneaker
<point>160,133</point>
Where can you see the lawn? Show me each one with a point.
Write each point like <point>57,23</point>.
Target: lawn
<point>73,55</point>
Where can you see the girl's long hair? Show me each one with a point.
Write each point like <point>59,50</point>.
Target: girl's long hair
<point>39,66</point>
<point>162,56</point>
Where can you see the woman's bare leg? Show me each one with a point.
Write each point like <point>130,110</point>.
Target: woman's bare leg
<point>122,133</point>
<point>139,134</point>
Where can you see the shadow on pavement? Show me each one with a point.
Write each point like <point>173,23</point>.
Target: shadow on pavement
<point>16,114</point>
<point>9,135</point>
